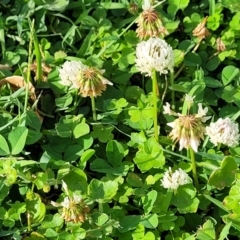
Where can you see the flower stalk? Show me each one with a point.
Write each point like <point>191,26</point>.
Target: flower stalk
<point>93,109</point>
<point>194,169</point>
<point>172,91</point>
<point>155,99</point>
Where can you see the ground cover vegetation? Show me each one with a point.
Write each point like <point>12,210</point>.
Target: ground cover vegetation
<point>119,119</point>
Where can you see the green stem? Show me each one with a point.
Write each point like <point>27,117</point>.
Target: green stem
<point>172,92</point>
<point>155,116</point>
<point>167,200</point>
<point>93,109</point>
<point>194,169</point>
<point>38,57</point>
<point>100,207</point>
<point>29,64</point>
<point>29,222</point>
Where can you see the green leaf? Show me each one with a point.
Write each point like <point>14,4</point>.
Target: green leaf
<point>102,191</point>
<point>129,223</point>
<point>115,153</point>
<point>133,93</point>
<point>148,201</point>
<point>192,59</point>
<point>33,120</point>
<point>185,199</point>
<point>73,152</point>
<point>149,155</point>
<point>41,180</point>
<point>231,202</point>
<point>225,231</point>
<point>4,149</point>
<point>150,221</point>
<point>225,175</point>
<point>178,57</point>
<point>101,165</point>
<point>17,139</point>
<point>76,179</point>
<point>52,221</point>
<point>229,73</point>
<point>233,5</point>
<point>206,232</point>
<point>64,101</point>
<point>175,5</point>
<point>85,157</point>
<point>103,133</point>
<point>212,64</point>
<point>64,130</point>
<point>212,83</point>
<point>134,180</point>
<point>80,130</point>
<point>54,5</point>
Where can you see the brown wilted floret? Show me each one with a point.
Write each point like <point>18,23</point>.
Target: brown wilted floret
<point>150,25</point>
<point>201,31</point>
<point>220,45</point>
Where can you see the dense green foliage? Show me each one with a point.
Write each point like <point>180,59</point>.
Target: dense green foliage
<point>51,147</point>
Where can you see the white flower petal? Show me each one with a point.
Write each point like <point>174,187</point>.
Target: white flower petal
<point>156,54</point>
<point>224,131</point>
<point>167,109</point>
<point>174,180</point>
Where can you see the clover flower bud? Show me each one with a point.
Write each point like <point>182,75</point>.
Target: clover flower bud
<point>149,22</point>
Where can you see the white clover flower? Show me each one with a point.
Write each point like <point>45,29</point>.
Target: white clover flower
<point>70,73</point>
<point>88,80</point>
<point>188,129</point>
<point>156,54</point>
<point>172,180</point>
<point>223,131</point>
<point>167,109</point>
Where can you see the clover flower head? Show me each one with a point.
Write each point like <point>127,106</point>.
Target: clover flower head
<point>224,131</point>
<point>188,129</point>
<point>87,80</point>
<point>69,73</point>
<point>172,180</point>
<point>201,31</point>
<point>149,22</point>
<point>73,207</point>
<point>156,54</point>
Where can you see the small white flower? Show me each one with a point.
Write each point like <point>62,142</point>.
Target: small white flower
<point>147,4</point>
<point>167,109</point>
<point>224,131</point>
<point>202,113</point>
<point>70,73</point>
<point>189,99</point>
<point>156,54</point>
<point>172,180</point>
